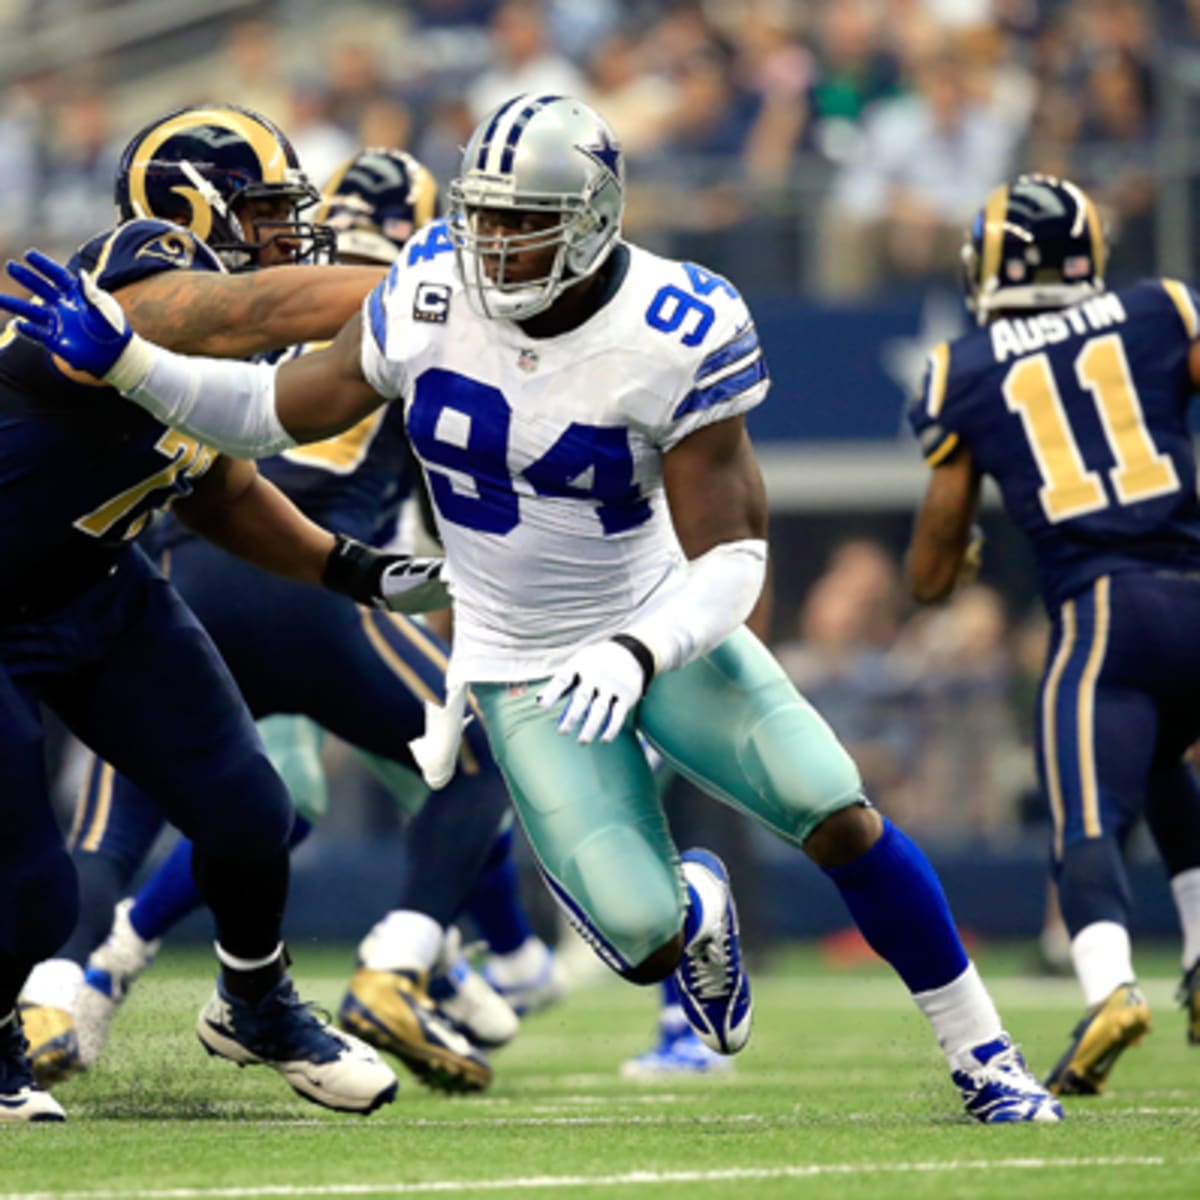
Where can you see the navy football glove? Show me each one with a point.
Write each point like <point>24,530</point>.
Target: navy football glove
<point>77,320</point>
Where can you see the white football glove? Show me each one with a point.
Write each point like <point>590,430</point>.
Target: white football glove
<point>605,681</point>
<point>380,579</point>
<point>414,585</point>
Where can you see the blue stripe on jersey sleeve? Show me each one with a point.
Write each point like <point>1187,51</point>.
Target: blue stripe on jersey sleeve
<point>724,389</point>
<point>742,343</point>
<point>378,315</point>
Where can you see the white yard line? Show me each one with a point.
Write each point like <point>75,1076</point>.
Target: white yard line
<point>625,1179</point>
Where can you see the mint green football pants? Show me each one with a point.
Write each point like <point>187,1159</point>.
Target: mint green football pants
<point>732,722</point>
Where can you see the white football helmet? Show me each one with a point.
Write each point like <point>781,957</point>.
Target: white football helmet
<point>536,154</point>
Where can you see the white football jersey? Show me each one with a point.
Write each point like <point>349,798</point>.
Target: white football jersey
<point>544,456</point>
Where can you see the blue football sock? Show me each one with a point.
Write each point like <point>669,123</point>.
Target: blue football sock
<point>899,906</point>
<point>670,992</point>
<point>670,1016</point>
<point>495,901</point>
<point>171,893</point>
<point>167,896</point>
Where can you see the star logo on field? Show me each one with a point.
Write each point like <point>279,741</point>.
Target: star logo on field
<point>607,154</point>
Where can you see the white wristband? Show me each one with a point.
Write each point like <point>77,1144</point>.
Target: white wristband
<point>718,593</point>
<point>225,404</point>
<point>132,367</point>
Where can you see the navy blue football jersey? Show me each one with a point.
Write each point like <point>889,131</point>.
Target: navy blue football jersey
<point>81,468</point>
<point>1080,416</point>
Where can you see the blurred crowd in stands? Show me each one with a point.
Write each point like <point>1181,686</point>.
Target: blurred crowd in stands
<point>834,145</point>
<point>936,705</point>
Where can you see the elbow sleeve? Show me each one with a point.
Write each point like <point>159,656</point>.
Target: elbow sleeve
<point>718,593</point>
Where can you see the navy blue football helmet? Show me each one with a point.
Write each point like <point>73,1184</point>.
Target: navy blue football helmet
<point>1036,243</point>
<point>196,166</point>
<point>376,201</point>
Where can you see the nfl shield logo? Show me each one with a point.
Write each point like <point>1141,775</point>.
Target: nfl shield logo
<point>527,360</point>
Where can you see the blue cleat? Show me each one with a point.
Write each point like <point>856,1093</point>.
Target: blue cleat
<point>997,1086</point>
<point>714,988</point>
<point>320,1063</point>
<point>21,1098</point>
<point>679,1052</point>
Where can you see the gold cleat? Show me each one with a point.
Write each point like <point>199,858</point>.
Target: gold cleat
<point>392,1011</point>
<point>1098,1040</point>
<point>1189,1000</point>
<point>53,1044</point>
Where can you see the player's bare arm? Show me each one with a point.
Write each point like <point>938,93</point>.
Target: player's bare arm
<point>239,510</point>
<point>232,316</point>
<point>942,532</point>
<point>318,395</point>
<point>715,488</point>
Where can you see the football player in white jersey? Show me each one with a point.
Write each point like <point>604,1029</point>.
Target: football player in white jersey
<point>578,404</point>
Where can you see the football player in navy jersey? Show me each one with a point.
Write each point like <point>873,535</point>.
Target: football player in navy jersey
<point>364,675</point>
<point>578,404</point>
<point>90,629</point>
<point>1075,401</point>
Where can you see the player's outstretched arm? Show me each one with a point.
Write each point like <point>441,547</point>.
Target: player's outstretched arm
<point>244,513</point>
<point>234,316</point>
<point>946,546</point>
<point>239,510</point>
<point>227,316</point>
<point>243,409</point>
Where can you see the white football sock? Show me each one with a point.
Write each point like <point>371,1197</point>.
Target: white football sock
<point>1103,959</point>
<point>520,967</point>
<point>403,940</point>
<point>671,1018</point>
<point>1185,887</point>
<point>54,983</point>
<point>961,1012</point>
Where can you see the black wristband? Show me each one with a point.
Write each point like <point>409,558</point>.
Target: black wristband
<point>354,569</point>
<point>641,652</point>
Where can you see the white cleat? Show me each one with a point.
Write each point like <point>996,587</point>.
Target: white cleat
<point>467,1000</point>
<point>111,971</point>
<point>526,978</point>
<point>320,1063</point>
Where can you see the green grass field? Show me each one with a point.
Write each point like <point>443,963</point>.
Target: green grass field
<point>840,1093</point>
